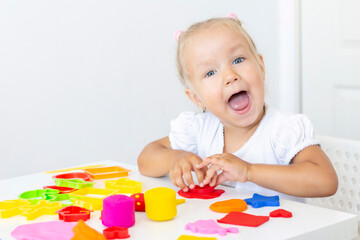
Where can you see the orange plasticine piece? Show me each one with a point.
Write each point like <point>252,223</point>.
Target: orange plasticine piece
<point>83,231</point>
<point>232,205</point>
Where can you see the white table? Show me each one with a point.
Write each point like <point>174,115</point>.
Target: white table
<point>308,222</point>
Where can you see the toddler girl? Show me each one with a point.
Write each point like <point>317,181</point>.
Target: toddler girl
<point>238,140</point>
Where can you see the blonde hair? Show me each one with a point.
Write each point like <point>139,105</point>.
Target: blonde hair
<point>228,23</point>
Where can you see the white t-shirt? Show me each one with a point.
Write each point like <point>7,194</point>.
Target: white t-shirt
<point>277,139</point>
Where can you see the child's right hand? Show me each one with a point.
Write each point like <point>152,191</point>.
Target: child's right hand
<point>181,167</point>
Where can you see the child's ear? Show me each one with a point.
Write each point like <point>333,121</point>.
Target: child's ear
<point>262,65</point>
<point>194,98</point>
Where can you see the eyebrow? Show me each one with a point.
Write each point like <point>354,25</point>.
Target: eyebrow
<point>232,48</point>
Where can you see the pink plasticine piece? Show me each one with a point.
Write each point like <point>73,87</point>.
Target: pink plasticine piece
<point>209,227</point>
<point>55,230</point>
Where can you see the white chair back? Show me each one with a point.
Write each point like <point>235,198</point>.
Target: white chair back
<point>345,156</point>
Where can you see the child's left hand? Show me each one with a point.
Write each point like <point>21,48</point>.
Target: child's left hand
<point>234,169</point>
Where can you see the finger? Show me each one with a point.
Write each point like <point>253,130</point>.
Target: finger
<point>188,178</point>
<point>202,164</point>
<point>200,175</point>
<point>221,178</point>
<point>210,173</point>
<point>213,181</point>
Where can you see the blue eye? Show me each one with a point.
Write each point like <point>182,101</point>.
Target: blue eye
<point>209,74</point>
<point>238,60</point>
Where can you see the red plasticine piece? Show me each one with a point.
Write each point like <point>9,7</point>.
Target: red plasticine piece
<point>205,192</point>
<point>116,233</point>
<point>243,219</point>
<point>281,213</point>
<point>74,175</point>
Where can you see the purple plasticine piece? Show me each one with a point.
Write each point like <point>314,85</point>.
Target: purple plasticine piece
<point>55,230</point>
<point>209,227</point>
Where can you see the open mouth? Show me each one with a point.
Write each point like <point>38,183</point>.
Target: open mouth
<point>239,101</point>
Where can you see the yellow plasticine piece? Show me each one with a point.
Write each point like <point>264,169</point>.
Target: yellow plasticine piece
<point>11,208</point>
<point>43,207</point>
<point>188,237</point>
<point>88,204</point>
<point>124,185</point>
<point>93,195</point>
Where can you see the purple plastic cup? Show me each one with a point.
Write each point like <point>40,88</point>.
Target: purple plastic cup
<point>118,211</point>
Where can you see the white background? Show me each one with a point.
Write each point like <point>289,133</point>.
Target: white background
<point>85,80</point>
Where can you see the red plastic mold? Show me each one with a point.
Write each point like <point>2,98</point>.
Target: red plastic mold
<point>116,233</point>
<point>73,175</point>
<point>62,190</point>
<point>74,214</point>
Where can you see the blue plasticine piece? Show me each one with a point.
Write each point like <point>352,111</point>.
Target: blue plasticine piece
<point>258,201</point>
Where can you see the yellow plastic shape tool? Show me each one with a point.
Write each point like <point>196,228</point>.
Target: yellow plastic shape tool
<point>124,185</point>
<point>107,172</point>
<point>188,237</point>
<point>160,203</point>
<point>11,208</point>
<point>88,204</point>
<point>73,183</point>
<point>74,168</point>
<point>93,195</point>
<point>43,207</point>
<point>232,205</point>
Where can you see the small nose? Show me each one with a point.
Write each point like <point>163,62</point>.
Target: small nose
<point>230,76</point>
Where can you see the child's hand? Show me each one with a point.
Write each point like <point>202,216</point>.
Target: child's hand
<point>181,168</point>
<point>234,169</point>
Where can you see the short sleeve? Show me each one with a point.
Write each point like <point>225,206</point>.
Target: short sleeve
<point>183,132</point>
<point>294,133</point>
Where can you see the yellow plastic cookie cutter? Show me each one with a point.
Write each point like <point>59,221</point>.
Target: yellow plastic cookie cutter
<point>34,196</point>
<point>88,204</point>
<point>91,195</point>
<point>11,208</point>
<point>43,207</point>
<point>107,172</point>
<point>124,185</point>
<point>73,183</point>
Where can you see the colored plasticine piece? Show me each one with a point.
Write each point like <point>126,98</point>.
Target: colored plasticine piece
<point>258,201</point>
<point>209,227</point>
<point>11,208</point>
<point>118,210</point>
<point>73,214</point>
<point>62,190</point>
<point>83,231</point>
<point>139,202</point>
<point>107,172</point>
<point>34,196</point>
<point>188,237</point>
<point>74,175</point>
<point>73,183</point>
<point>281,213</point>
<point>116,233</point>
<point>124,185</point>
<point>54,230</point>
<point>43,207</point>
<point>232,205</point>
<point>205,192</point>
<point>243,219</point>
